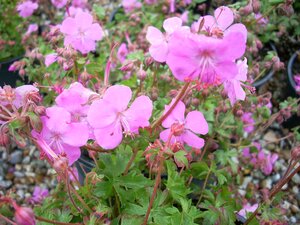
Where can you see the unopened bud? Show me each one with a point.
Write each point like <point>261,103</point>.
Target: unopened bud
<point>61,164</point>
<point>149,61</point>
<point>255,6</point>
<point>239,113</point>
<point>4,137</point>
<point>22,72</point>
<point>24,216</point>
<point>85,76</point>
<point>141,74</point>
<point>127,67</point>
<point>40,110</point>
<point>195,102</point>
<point>245,11</point>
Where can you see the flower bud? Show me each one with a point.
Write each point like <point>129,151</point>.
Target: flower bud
<point>61,164</point>
<point>255,6</point>
<point>245,11</point>
<point>195,102</point>
<point>40,110</point>
<point>141,74</point>
<point>24,216</point>
<point>239,113</point>
<point>127,67</point>
<point>149,61</point>
<point>4,137</point>
<point>22,72</point>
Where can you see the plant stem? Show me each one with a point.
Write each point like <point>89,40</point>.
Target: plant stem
<point>70,195</point>
<point>7,220</point>
<point>55,222</point>
<point>81,200</point>
<point>274,191</point>
<point>135,151</point>
<point>157,182</point>
<point>204,186</point>
<point>179,96</point>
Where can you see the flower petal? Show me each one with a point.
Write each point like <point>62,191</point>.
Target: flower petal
<point>154,36</point>
<point>76,134</point>
<point>196,122</point>
<point>95,32</point>
<point>177,114</point>
<point>110,137</point>
<point>172,24</point>
<point>224,17</point>
<point>159,52</point>
<point>119,96</point>
<point>73,153</point>
<point>69,26</point>
<point>192,139</point>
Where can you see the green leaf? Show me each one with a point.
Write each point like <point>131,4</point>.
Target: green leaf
<point>180,156</point>
<point>104,189</point>
<point>35,121</point>
<point>99,11</point>
<point>133,181</point>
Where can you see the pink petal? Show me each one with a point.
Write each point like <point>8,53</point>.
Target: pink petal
<point>159,52</point>
<point>69,26</point>
<point>139,113</point>
<point>243,70</point>
<point>73,153</point>
<point>101,114</point>
<point>192,139</point>
<point>196,122</point>
<point>238,27</point>
<point>154,36</point>
<point>119,96</point>
<point>224,17</point>
<point>95,32</point>
<point>177,114</point>
<point>50,59</point>
<point>209,23</point>
<point>164,135</point>
<point>172,24</point>
<point>110,137</point>
<point>226,70</point>
<point>76,134</point>
<point>236,46</point>
<point>58,119</point>
<point>83,20</point>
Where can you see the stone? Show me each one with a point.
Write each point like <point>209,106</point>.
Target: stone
<point>293,220</point>
<point>267,183</point>
<point>296,179</point>
<point>295,190</point>
<point>276,177</point>
<point>5,184</point>
<point>19,174</point>
<point>294,209</point>
<point>15,157</point>
<point>26,160</point>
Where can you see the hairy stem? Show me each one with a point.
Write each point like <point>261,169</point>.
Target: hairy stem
<point>135,151</point>
<point>55,222</point>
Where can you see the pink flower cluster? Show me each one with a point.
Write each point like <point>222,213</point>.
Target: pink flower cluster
<point>264,161</point>
<point>70,123</point>
<point>208,52</point>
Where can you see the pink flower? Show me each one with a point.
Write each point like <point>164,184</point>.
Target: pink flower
<point>159,42</point>
<point>60,135</point>
<point>130,5</point>
<point>26,8</point>
<point>266,162</point>
<point>184,129</point>
<point>79,3</point>
<point>260,19</point>
<point>207,59</point>
<point>233,86</point>
<point>247,209</point>
<point>39,194</point>
<point>50,59</point>
<point>59,3</point>
<point>110,116</point>
<point>122,52</point>
<point>249,122</point>
<point>32,28</point>
<point>185,17</point>
<point>81,33</point>
<point>220,24</point>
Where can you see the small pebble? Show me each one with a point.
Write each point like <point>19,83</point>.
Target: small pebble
<point>296,179</point>
<point>19,174</point>
<point>293,220</point>
<point>295,209</point>
<point>26,160</point>
<point>276,177</point>
<point>16,157</point>
<point>5,183</point>
<point>295,190</point>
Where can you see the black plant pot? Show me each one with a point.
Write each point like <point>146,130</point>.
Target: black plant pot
<point>270,74</point>
<point>8,77</point>
<point>84,165</point>
<point>291,64</point>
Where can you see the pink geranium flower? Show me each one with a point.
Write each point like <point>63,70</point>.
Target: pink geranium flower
<point>233,86</point>
<point>159,42</point>
<point>209,60</point>
<point>186,128</point>
<point>81,33</point>
<point>130,5</point>
<point>249,122</point>
<point>21,93</point>
<point>220,24</point>
<point>39,194</point>
<point>59,3</point>
<point>247,209</point>
<point>26,8</point>
<point>266,161</point>
<point>110,116</point>
<point>61,136</point>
